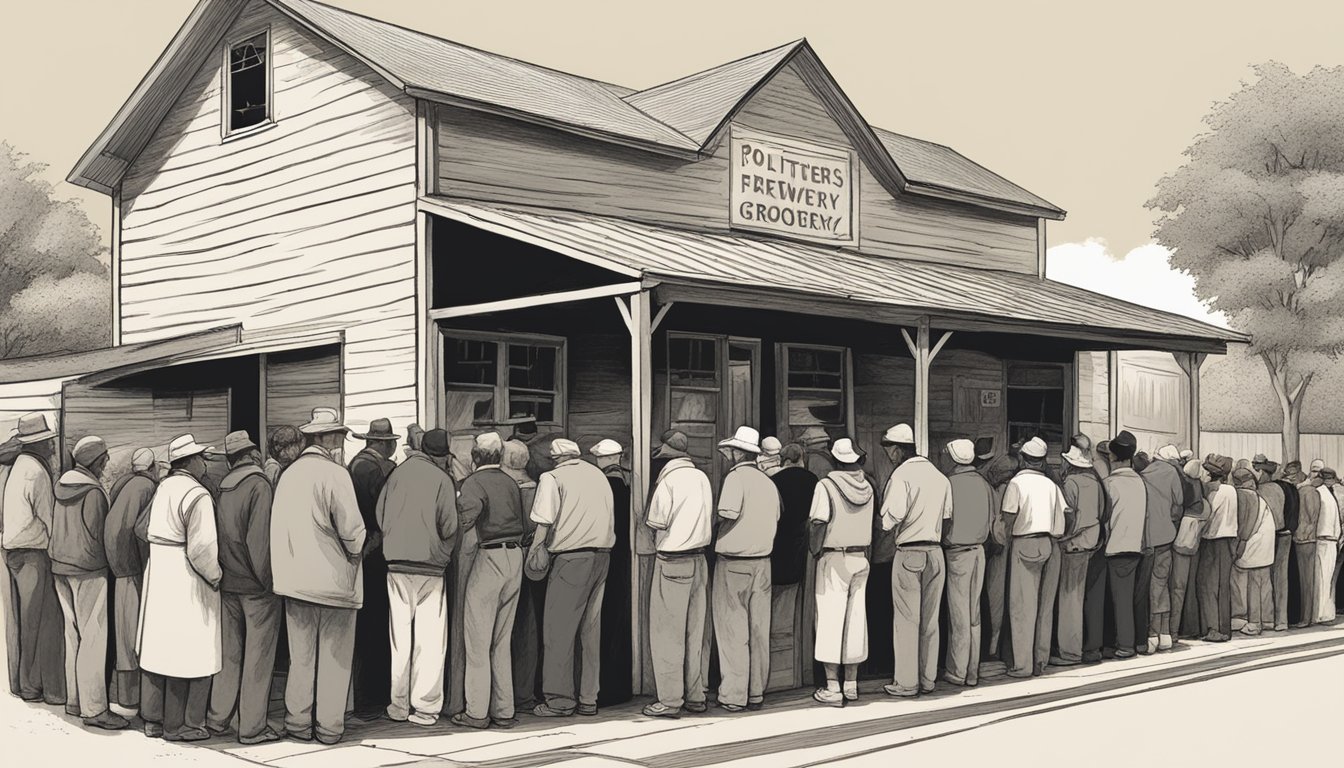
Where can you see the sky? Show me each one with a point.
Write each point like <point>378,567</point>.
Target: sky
<point>1087,105</point>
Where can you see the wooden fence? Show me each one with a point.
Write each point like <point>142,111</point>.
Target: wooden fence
<point>1244,445</point>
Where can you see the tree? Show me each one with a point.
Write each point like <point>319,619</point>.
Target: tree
<point>1256,215</point>
<point>54,282</point>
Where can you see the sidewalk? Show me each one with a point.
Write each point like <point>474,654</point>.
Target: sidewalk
<point>790,731</point>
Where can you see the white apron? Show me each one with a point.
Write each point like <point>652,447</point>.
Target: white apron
<point>179,633</point>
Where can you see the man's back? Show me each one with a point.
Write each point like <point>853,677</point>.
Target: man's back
<point>575,500</point>
<point>317,533</point>
<point>1128,496</point>
<point>681,510</point>
<point>1166,501</point>
<point>417,512</point>
<point>789,554</point>
<point>1083,494</point>
<point>972,508</point>
<point>916,500</point>
<point>244,513</point>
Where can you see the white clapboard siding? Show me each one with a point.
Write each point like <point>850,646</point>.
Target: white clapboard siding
<point>1245,445</point>
<point>494,159</point>
<point>23,397</point>
<point>309,222</point>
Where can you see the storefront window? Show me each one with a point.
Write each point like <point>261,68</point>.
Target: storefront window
<point>491,378</point>
<point>815,390</point>
<point>1036,398</point>
<point>694,391</point>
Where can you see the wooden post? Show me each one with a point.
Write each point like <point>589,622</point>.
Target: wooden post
<point>1113,391</point>
<point>116,266</point>
<point>641,407</point>
<point>919,349</point>
<point>262,442</point>
<point>1190,362</point>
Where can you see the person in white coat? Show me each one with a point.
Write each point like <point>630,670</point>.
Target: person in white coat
<point>1328,540</point>
<point>179,637</point>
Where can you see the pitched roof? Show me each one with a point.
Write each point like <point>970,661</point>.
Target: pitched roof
<point>681,117</point>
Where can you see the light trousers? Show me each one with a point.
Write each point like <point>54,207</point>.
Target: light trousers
<point>842,608</point>
<point>492,604</point>
<point>418,631</point>
<point>917,577</point>
<point>1181,571</point>
<point>1252,596</point>
<point>1306,581</point>
<point>740,601</point>
<point>321,649</point>
<point>1033,583</point>
<point>965,581</point>
<point>677,603</point>
<point>1072,594</point>
<point>1327,554</point>
<point>84,604</point>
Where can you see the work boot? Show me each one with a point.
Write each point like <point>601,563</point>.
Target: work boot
<point>107,720</point>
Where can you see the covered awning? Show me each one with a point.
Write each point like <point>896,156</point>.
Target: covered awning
<point>709,267</point>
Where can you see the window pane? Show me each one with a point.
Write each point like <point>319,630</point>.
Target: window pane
<point>532,367</point>
<point>1035,376</point>
<point>695,407</point>
<point>816,368</point>
<point>467,407</point>
<point>248,93</point>
<point>540,407</point>
<point>815,409</point>
<point>470,362</point>
<point>693,362</point>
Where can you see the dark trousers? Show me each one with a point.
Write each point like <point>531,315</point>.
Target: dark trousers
<point>251,626</point>
<point>36,651</point>
<point>572,632</point>
<point>1307,581</point>
<point>526,646</point>
<point>176,703</point>
<point>373,644</point>
<point>1215,584</point>
<point>1094,605</point>
<point>1123,573</point>
<point>1181,566</point>
<point>1143,600</point>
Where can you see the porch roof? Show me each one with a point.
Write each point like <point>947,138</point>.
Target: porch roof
<point>701,266</point>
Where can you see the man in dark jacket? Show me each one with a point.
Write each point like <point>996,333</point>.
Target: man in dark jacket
<point>789,558</point>
<point>616,653</point>
<point>79,565</point>
<point>126,558</point>
<point>250,612</point>
<point>373,651</point>
<point>1282,499</point>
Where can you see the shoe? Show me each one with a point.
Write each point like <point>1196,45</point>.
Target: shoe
<point>928,689</point>
<point>31,697</point>
<point>463,720</point>
<point>1164,642</point>
<point>587,710</point>
<point>659,709</point>
<point>298,735</point>
<point>1125,653</point>
<point>107,720</point>
<point>419,718</point>
<point>399,717</point>
<point>188,734</point>
<point>971,683</point>
<point>153,730</point>
<point>544,710</point>
<point>1060,661</point>
<point>828,697</point>
<point>218,731</point>
<point>696,707</point>
<point>329,740</point>
<point>852,693</point>
<point>1280,627</point>
<point>1037,670</point>
<point>1301,625</point>
<point>732,708</point>
<point>1250,630</point>
<point>1019,675</point>
<point>504,723</point>
<point>892,689</point>
<point>957,681</point>
<point>1092,657</point>
<point>1237,624</point>
<point>267,735</point>
<point>757,706</point>
<point>1153,643</point>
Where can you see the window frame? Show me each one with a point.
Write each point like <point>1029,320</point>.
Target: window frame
<point>501,386</point>
<point>782,387</point>
<point>1066,388</point>
<point>227,133</point>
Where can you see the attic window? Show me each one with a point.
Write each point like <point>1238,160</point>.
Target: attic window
<point>248,90</point>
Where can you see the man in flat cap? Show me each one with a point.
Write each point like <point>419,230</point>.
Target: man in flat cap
<point>1217,551</point>
<point>769,461</point>
<point>251,611</point>
<point>616,662</point>
<point>79,565</point>
<point>1033,508</point>
<point>1166,506</point>
<point>575,524</point>
<point>1281,497</point>
<point>1127,545</point>
<point>1082,571</point>
<point>963,541</point>
<point>126,556</point>
<point>373,651</point>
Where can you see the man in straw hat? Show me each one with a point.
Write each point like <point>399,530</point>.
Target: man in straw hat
<point>317,544</point>
<point>373,651</point>
<point>252,613</point>
<point>1082,570</point>
<point>964,549</point>
<point>1217,551</point>
<point>180,648</point>
<point>79,565</point>
<point>1033,508</point>
<point>915,505</point>
<point>28,501</point>
<point>1281,497</point>
<point>842,518</point>
<point>748,514</point>
<point>616,655</point>
<point>419,520</point>
<point>126,556</point>
<point>573,513</point>
<point>681,516</point>
<point>1165,507</point>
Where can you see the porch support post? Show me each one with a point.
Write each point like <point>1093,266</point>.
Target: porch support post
<point>1190,362</point>
<point>641,407</point>
<point>919,349</point>
<point>262,436</point>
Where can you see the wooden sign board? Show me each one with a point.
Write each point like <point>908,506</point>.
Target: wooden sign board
<point>794,188</point>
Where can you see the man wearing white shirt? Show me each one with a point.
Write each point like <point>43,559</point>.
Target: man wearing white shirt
<point>1217,551</point>
<point>1327,545</point>
<point>1033,507</point>
<point>918,498</point>
<point>681,515</point>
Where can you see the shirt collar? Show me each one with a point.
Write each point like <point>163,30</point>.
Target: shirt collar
<point>569,461</point>
<point>741,464</point>
<point>484,467</point>
<point>318,450</point>
<point>965,469</point>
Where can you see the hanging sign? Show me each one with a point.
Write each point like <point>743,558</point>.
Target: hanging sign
<point>791,187</point>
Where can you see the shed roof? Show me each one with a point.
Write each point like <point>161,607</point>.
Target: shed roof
<point>682,117</point>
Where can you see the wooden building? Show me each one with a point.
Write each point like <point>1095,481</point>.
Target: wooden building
<point>315,207</point>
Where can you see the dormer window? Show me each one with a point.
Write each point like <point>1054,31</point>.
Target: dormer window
<point>247,89</point>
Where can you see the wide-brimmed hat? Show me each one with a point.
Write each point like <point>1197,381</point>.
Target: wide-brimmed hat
<point>33,428</point>
<point>962,451</point>
<point>901,434</point>
<point>1035,448</point>
<point>1123,444</point>
<point>88,450</point>
<point>674,446</point>
<point>379,429</point>
<point>237,442</point>
<point>435,443</point>
<point>606,447</point>
<point>324,420</point>
<point>745,439</point>
<point>185,446</point>
<point>1077,458</point>
<point>846,452</point>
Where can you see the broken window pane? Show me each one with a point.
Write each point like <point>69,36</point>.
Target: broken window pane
<point>248,89</point>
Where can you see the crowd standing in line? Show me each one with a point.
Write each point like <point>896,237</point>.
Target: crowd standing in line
<point>189,582</point>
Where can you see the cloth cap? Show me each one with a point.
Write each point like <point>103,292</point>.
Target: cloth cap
<point>1169,452</point>
<point>33,428</point>
<point>489,441</point>
<point>674,446</point>
<point>1292,467</point>
<point>516,455</point>
<point>435,443</point>
<point>562,447</point>
<point>237,442</point>
<point>845,452</point>
<point>1077,458</point>
<point>745,439</point>
<point>606,447</point>
<point>1034,448</point>
<point>88,449</point>
<point>771,446</point>
<point>1218,466</point>
<point>962,451</point>
<point>143,458</point>
<point>1328,474</point>
<point>1194,469</point>
<point>984,448</point>
<point>1259,458</point>
<point>323,420</point>
<point>1317,465</point>
<point>901,433</point>
<point>379,429</point>
<point>1243,478</point>
<point>1187,454</point>
<point>184,446</point>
